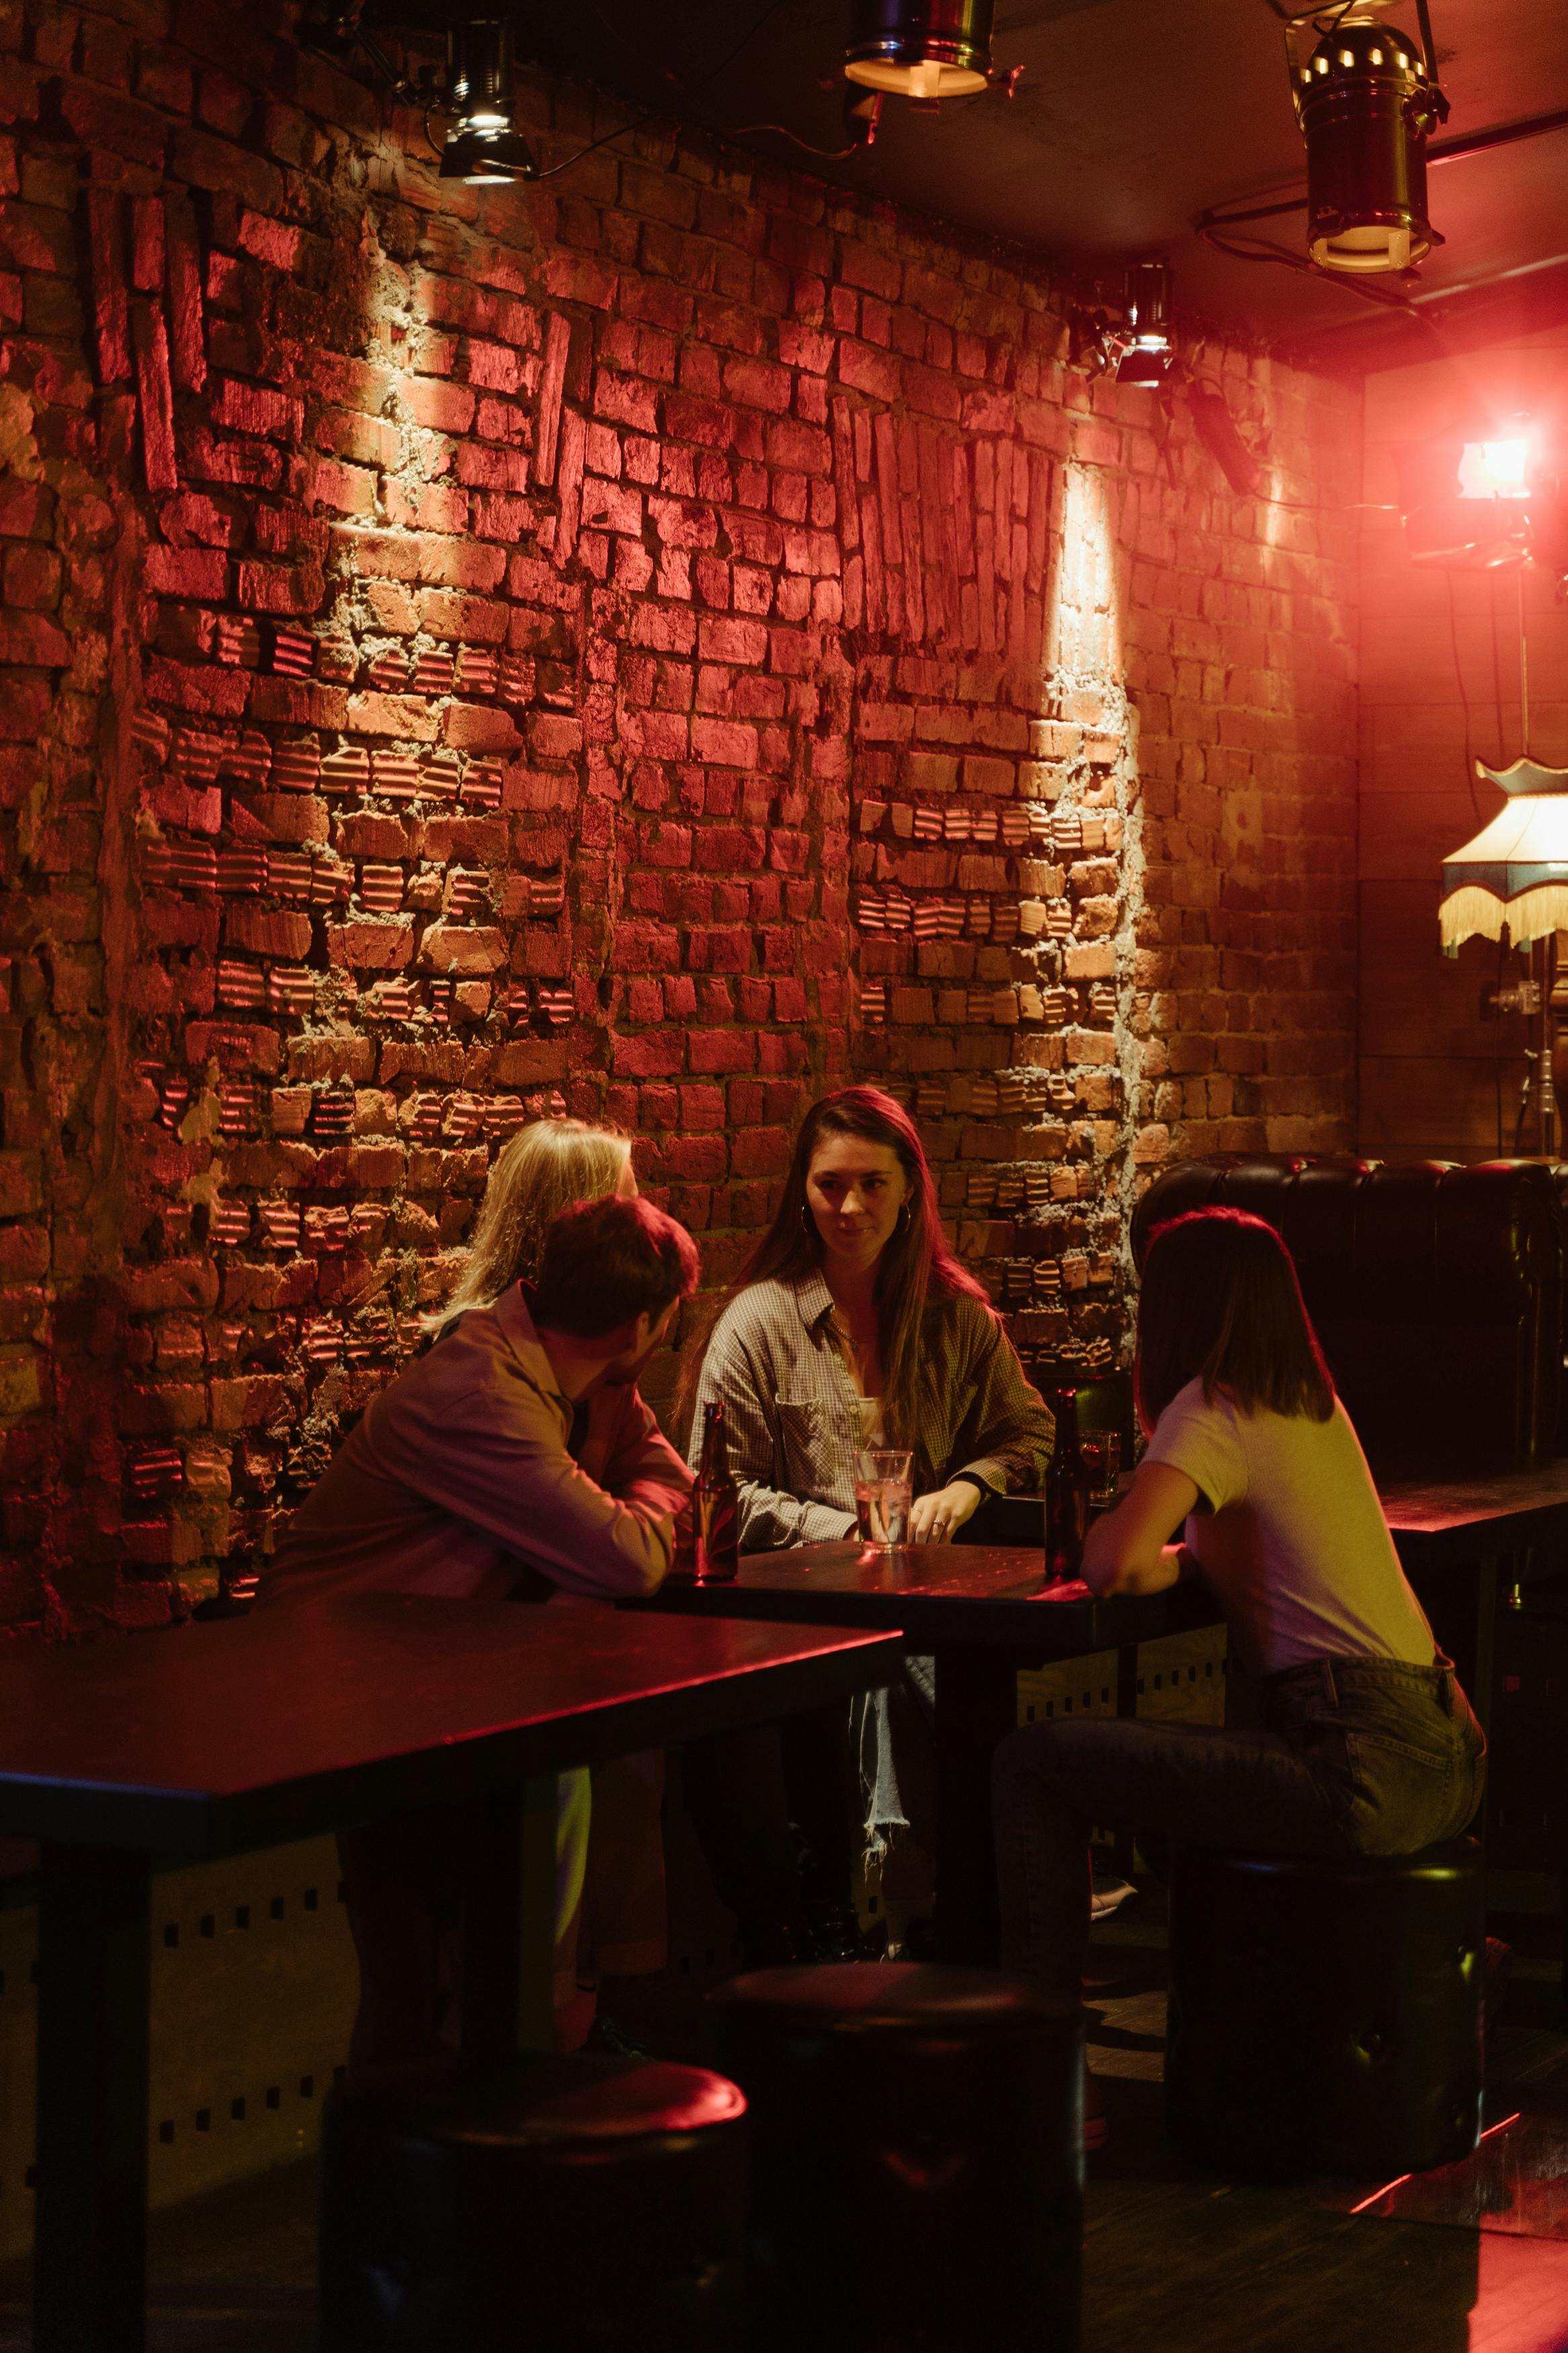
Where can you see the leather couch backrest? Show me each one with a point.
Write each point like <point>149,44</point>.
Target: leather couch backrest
<point>1436,1292</point>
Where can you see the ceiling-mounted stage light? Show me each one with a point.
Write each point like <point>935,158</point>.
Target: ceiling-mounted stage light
<point>1367,99</point>
<point>483,144</point>
<point>1474,505</point>
<point>1496,470</point>
<point>1122,326</point>
<point>1148,350</point>
<point>921,48</point>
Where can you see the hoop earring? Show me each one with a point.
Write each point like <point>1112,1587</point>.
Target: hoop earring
<point>805,1225</point>
<point>906,1216</point>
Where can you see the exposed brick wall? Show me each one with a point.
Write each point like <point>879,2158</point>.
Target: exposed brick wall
<point>658,643</point>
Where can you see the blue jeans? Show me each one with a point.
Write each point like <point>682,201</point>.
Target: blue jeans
<point>1355,1757</point>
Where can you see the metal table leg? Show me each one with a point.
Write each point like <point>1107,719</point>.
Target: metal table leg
<point>90,2263</point>
<point>508,1922</point>
<point>976,1706</point>
<point>1487,1573</point>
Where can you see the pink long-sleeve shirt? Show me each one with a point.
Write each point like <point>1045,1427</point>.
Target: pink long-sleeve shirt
<point>457,1478</point>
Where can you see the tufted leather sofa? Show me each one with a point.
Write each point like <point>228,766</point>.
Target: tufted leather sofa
<point>1436,1291</point>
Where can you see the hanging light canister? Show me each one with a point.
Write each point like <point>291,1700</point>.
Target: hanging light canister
<point>483,144</point>
<point>1146,347</point>
<point>920,49</point>
<point>1367,101</point>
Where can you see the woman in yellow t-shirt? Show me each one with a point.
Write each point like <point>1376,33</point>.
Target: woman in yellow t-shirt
<point>1367,1744</point>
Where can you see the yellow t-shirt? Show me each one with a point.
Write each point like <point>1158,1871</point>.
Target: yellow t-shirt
<point>1291,1535</point>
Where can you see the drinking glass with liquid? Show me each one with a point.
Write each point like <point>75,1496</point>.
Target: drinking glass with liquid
<point>1103,1460</point>
<point>884,1491</point>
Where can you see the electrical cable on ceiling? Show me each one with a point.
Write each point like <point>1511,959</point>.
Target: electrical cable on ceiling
<point>686,93</point>
<point>1263,248</point>
<point>1443,150</point>
<point>783,130</point>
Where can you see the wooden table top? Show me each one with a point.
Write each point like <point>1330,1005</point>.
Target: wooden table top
<point>936,1594</point>
<point>210,1739</point>
<point>1446,1523</point>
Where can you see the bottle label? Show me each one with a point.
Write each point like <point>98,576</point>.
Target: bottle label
<point>717,1522</point>
<point>1067,1525</point>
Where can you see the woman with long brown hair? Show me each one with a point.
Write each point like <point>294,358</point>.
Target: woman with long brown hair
<point>853,1323</point>
<point>1367,1746</point>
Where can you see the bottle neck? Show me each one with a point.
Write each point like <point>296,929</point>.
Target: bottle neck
<point>715,1462</point>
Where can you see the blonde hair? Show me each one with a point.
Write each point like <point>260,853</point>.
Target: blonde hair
<point>541,1171</point>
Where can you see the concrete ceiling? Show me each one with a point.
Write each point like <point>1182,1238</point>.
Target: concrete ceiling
<point>1130,117</point>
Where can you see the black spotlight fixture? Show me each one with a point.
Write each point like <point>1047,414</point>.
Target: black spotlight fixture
<point>1122,327</point>
<point>921,48</point>
<point>1368,101</point>
<point>483,144</point>
<point>1146,349</point>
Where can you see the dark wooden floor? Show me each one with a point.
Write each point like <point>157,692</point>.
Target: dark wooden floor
<point>1175,2262</point>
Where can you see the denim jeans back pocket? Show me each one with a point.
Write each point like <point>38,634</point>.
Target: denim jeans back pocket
<point>1407,1795</point>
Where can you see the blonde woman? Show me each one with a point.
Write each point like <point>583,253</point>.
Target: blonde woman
<point>541,1171</point>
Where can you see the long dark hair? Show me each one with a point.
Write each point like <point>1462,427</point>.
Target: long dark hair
<point>917,1274</point>
<point>1220,1304</point>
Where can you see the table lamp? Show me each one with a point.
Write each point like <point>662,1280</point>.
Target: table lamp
<point>1515,874</point>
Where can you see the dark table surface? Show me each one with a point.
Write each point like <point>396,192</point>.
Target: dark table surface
<point>941,1594</point>
<point>1443,1523</point>
<point>210,1739</point>
<point>996,1593</point>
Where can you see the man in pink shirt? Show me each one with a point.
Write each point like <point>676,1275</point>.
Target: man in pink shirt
<point>516,1446</point>
<point>515,1456</point>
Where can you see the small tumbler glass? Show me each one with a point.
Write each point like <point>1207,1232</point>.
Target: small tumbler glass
<point>1103,1460</point>
<point>883,1493</point>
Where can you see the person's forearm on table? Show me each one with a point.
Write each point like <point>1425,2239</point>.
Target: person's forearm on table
<point>1126,1549</point>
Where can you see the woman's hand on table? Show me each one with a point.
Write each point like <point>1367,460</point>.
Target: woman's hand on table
<point>937,1518</point>
<point>1127,1548</point>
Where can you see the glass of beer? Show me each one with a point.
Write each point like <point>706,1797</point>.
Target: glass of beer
<point>883,1493</point>
<point>1102,1460</point>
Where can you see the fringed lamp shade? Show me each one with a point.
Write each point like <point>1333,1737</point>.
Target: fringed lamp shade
<point>1515,872</point>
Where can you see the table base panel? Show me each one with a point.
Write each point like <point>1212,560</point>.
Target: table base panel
<point>90,2244</point>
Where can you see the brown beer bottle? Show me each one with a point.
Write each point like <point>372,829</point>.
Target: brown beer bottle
<point>716,1505</point>
<point>1066,1492</point>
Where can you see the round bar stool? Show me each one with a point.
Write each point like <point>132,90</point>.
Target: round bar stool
<point>1325,2017</point>
<point>566,2203</point>
<point>917,2159</point>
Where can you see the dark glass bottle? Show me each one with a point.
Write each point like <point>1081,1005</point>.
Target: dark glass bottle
<point>1066,1492</point>
<point>715,1505</point>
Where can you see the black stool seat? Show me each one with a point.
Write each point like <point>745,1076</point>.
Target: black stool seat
<point>917,2157</point>
<point>1325,2016</point>
<point>564,2204</point>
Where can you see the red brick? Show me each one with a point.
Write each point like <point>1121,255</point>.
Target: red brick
<point>185,570</point>
<point>725,742</point>
<point>256,409</point>
<point>406,716</point>
<point>32,639</point>
<point>443,408</point>
<point>102,121</point>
